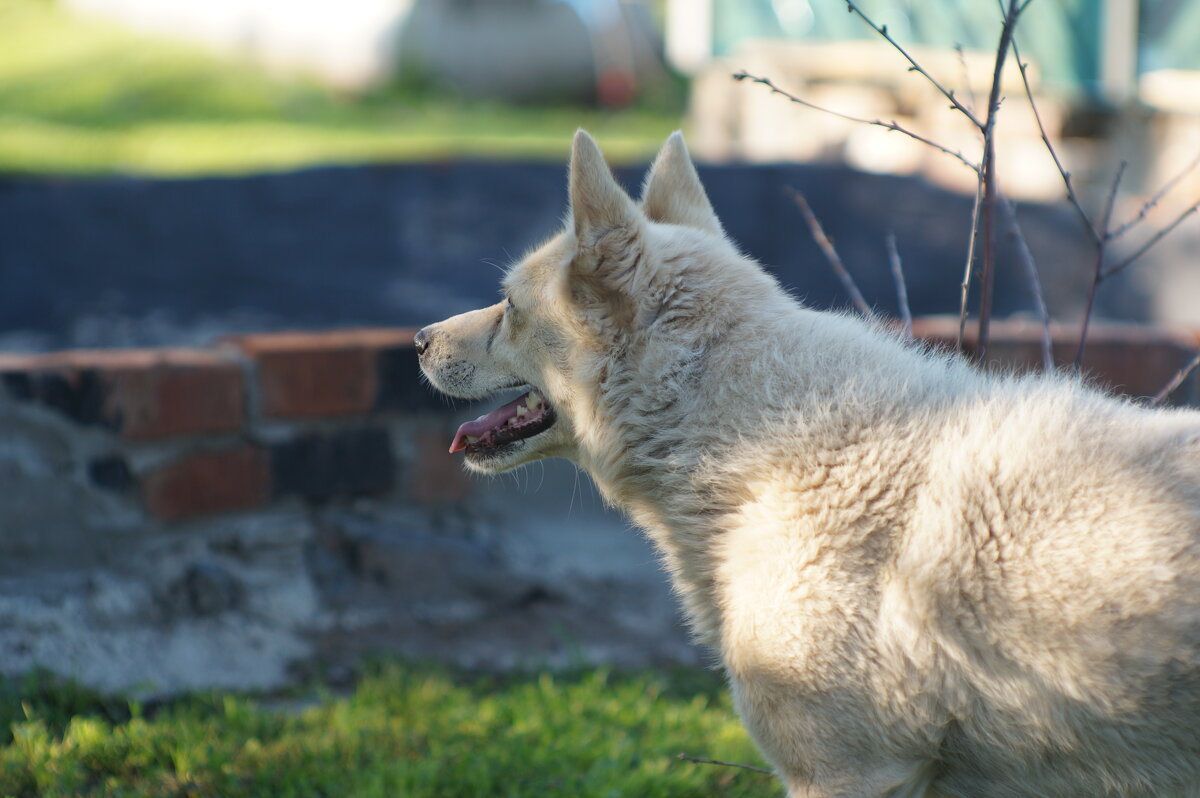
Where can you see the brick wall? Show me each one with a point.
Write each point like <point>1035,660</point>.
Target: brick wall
<point>261,418</point>
<point>253,420</point>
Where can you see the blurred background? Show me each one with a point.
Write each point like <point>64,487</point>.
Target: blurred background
<point>256,165</point>
<point>195,173</point>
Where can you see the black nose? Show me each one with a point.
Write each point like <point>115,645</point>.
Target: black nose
<point>421,341</point>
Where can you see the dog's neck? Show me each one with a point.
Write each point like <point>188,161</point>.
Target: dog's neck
<point>660,430</point>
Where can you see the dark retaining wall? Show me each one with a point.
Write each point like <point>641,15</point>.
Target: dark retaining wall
<point>121,262</point>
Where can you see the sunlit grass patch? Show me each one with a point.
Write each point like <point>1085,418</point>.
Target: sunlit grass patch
<point>403,731</point>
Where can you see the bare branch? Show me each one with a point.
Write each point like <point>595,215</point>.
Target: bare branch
<point>1066,176</point>
<point>987,278</point>
<point>1111,201</point>
<point>901,288</point>
<point>1035,284</point>
<point>967,271</point>
<point>702,761</point>
<point>893,125</point>
<point>835,260</point>
<point>1153,201</point>
<point>966,76</point>
<point>1098,272</point>
<point>1110,271</point>
<point>949,95</point>
<point>1176,381</point>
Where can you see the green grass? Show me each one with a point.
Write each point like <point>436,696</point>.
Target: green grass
<point>404,731</point>
<point>83,96</point>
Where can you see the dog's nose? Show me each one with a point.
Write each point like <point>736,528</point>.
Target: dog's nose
<point>421,341</point>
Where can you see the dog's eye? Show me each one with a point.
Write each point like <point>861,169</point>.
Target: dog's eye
<point>508,305</point>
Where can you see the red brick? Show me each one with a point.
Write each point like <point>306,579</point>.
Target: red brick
<point>434,475</point>
<point>142,393</point>
<point>319,374</point>
<point>204,483</point>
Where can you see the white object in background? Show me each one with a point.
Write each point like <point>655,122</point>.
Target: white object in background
<point>689,35</point>
<point>348,44</point>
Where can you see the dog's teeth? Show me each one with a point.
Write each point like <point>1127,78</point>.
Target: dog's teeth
<point>534,399</point>
<point>521,410</point>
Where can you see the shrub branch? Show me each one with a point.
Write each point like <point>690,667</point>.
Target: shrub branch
<point>893,125</point>
<point>701,761</point>
<point>988,194</point>
<point>1176,381</point>
<point>831,254</point>
<point>901,288</point>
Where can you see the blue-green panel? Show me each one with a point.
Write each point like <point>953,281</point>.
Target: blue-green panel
<point>1169,35</point>
<point>1061,36</point>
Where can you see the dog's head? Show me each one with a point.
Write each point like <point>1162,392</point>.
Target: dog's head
<point>609,303</point>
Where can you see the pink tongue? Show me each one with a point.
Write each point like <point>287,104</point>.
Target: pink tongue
<point>492,420</point>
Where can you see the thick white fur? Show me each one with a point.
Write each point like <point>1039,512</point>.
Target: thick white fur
<point>922,580</point>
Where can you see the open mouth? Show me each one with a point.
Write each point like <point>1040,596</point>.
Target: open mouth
<point>524,417</point>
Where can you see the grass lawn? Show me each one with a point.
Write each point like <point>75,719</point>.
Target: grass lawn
<point>83,96</point>
<point>404,731</point>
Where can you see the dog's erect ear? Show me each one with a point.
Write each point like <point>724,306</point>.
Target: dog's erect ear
<point>673,193</point>
<point>608,227</point>
<point>598,204</point>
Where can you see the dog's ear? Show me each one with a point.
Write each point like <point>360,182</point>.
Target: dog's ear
<point>673,193</point>
<point>608,227</point>
<point>599,205</point>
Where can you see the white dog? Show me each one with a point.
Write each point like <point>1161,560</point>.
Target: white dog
<point>921,579</point>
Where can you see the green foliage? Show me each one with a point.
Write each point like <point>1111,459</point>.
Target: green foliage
<point>404,731</point>
<point>83,96</point>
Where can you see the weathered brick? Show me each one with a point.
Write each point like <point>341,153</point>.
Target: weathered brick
<point>321,466</point>
<point>434,475</point>
<point>204,483</point>
<point>142,393</point>
<point>1136,360</point>
<point>320,374</point>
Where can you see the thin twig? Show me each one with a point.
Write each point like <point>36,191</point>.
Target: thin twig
<point>1035,284</point>
<point>968,270</point>
<point>1066,176</point>
<point>987,278</point>
<point>966,76</point>
<point>1176,381</point>
<point>702,761</point>
<point>835,260</point>
<point>949,95</point>
<point>1153,201</point>
<point>893,125</point>
<point>1111,270</point>
<point>1098,271</point>
<point>901,288</point>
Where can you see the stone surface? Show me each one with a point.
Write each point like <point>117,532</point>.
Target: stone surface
<point>226,605</point>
